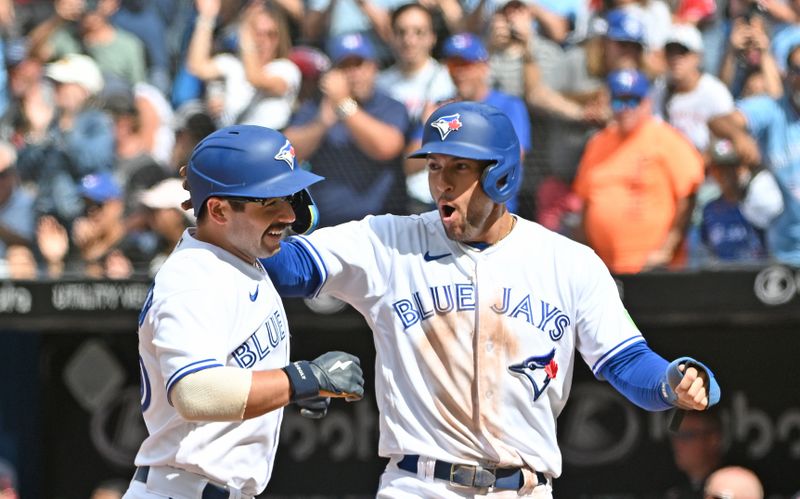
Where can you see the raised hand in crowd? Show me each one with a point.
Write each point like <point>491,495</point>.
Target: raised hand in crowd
<point>53,241</point>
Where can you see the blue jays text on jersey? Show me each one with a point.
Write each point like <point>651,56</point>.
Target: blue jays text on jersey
<point>461,297</point>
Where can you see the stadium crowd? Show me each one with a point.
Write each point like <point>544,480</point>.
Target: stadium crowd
<point>663,133</point>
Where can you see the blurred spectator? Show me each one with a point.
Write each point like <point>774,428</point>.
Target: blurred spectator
<point>191,123</point>
<point>641,171</point>
<point>763,127</point>
<point>58,35</point>
<point>698,450</point>
<point>134,168</point>
<point>725,231</point>
<point>353,136</point>
<point>468,63</point>
<point>143,19</point>
<point>686,97</point>
<point>155,121</point>
<point>81,25</point>
<point>66,143</point>
<point>733,482</point>
<point>16,205</point>
<point>8,481</point>
<point>98,236</point>
<point>552,19</point>
<point>625,45</point>
<point>313,63</point>
<point>119,54</point>
<point>326,19</point>
<point>260,86</point>
<point>165,217</point>
<point>418,81</point>
<point>748,58</point>
<point>110,489</point>
<point>656,19</point>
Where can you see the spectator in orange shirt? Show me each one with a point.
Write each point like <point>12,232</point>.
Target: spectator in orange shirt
<point>637,180</point>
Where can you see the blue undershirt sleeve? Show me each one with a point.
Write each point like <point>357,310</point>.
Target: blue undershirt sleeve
<point>292,270</point>
<point>638,373</point>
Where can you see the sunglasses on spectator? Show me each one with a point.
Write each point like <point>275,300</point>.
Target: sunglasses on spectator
<point>675,49</point>
<point>625,102</point>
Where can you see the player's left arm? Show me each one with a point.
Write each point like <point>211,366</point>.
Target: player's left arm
<point>649,381</point>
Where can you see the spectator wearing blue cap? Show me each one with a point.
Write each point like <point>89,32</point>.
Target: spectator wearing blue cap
<point>98,237</point>
<point>765,132</point>
<point>637,180</point>
<point>467,61</point>
<point>624,44</point>
<point>353,135</point>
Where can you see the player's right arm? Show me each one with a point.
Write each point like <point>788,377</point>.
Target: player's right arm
<point>233,394</point>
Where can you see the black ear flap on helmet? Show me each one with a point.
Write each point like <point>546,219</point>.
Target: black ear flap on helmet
<point>305,213</point>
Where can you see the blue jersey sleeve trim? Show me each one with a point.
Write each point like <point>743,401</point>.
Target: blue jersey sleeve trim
<point>619,346</point>
<point>187,370</point>
<point>297,269</point>
<point>319,263</point>
<point>637,372</point>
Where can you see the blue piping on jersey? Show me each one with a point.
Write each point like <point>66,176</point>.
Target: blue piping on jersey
<point>638,372</point>
<point>180,373</point>
<point>599,364</point>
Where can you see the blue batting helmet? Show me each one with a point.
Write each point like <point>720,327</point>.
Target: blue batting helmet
<point>472,130</point>
<point>251,161</point>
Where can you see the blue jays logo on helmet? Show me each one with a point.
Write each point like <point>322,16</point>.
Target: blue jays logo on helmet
<point>529,369</point>
<point>286,153</point>
<point>447,124</point>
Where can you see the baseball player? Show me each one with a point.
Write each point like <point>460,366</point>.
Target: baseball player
<point>477,314</point>
<point>213,335</point>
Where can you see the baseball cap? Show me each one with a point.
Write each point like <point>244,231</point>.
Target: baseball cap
<point>723,153</point>
<point>100,187</point>
<point>467,46</point>
<point>311,61</point>
<point>76,68</point>
<point>167,194</point>
<point>687,36</point>
<point>628,83</point>
<point>350,45</point>
<point>624,26</point>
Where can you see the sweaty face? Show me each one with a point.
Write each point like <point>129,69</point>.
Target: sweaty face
<point>256,232</point>
<point>467,213</point>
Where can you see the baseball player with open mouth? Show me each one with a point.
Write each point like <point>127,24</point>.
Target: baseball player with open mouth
<point>213,334</point>
<point>477,315</point>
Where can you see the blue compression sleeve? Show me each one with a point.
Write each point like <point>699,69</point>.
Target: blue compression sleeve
<point>292,270</point>
<point>637,372</point>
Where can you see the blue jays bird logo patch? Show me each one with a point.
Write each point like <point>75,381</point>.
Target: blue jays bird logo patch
<point>539,370</point>
<point>447,124</point>
<point>286,153</point>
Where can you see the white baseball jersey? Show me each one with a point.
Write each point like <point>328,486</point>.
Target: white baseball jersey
<point>208,308</point>
<point>474,349</point>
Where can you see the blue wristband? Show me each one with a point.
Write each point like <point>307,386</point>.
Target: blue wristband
<point>304,383</point>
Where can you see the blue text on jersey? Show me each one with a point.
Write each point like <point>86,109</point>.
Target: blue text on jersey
<point>461,297</point>
<point>263,341</point>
